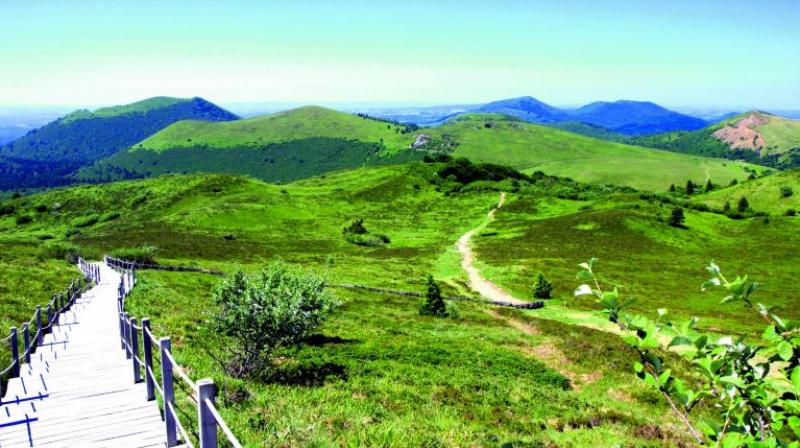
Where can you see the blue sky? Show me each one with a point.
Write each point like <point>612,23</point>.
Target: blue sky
<point>679,52</point>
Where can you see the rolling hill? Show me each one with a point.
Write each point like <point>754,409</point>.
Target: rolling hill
<point>754,136</point>
<point>531,147</point>
<point>48,154</point>
<point>775,194</point>
<point>278,147</point>
<point>312,140</point>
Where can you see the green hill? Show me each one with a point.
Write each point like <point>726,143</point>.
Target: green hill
<point>311,140</point>
<point>754,136</point>
<point>279,147</point>
<point>47,155</point>
<point>775,194</point>
<point>531,147</point>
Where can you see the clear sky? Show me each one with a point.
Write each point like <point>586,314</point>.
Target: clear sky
<point>725,53</point>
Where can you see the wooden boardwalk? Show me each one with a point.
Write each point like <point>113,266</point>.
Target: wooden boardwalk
<point>78,390</point>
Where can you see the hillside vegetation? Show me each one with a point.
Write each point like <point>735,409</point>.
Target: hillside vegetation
<point>753,136</point>
<point>530,147</point>
<point>776,194</point>
<point>311,141</point>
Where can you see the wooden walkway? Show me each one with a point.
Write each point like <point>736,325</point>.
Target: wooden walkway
<point>78,390</point>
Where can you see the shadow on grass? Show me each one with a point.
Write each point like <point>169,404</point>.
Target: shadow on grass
<point>318,340</point>
<point>307,374</point>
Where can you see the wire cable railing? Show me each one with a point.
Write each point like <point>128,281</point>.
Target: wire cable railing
<point>161,382</point>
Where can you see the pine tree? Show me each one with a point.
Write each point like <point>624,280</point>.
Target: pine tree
<point>709,185</point>
<point>676,218</point>
<point>727,207</point>
<point>542,288</point>
<point>672,188</point>
<point>434,303</point>
<point>689,187</point>
<point>743,205</point>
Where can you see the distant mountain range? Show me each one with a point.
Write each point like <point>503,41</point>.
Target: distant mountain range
<point>622,117</point>
<point>44,156</point>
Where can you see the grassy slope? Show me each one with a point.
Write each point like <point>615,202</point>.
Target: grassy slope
<point>399,379</point>
<point>532,147</point>
<point>763,194</point>
<point>297,124</point>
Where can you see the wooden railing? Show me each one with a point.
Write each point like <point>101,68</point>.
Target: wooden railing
<point>59,303</point>
<point>202,392</point>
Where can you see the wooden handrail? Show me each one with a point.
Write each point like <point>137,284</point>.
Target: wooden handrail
<point>209,418</point>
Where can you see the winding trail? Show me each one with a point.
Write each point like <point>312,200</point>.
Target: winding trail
<point>477,282</point>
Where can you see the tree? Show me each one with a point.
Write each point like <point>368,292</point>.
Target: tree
<point>434,303</point>
<point>542,288</point>
<point>689,187</point>
<point>734,182</point>
<point>786,191</point>
<point>709,185</point>
<point>676,218</point>
<point>355,228</point>
<point>742,206</point>
<point>261,314</point>
<point>672,188</point>
<point>727,207</point>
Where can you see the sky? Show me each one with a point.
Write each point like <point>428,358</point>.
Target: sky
<point>715,53</point>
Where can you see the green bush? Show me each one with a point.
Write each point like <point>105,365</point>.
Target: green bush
<point>355,228</point>
<point>144,255</point>
<point>109,216</point>
<point>59,250</point>
<point>742,206</point>
<point>542,288</point>
<point>85,221</point>
<point>261,314</point>
<point>434,303</point>
<point>790,212</point>
<point>23,219</point>
<point>786,191</point>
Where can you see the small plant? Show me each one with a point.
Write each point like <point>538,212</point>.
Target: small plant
<point>356,227</point>
<point>676,218</point>
<point>672,188</point>
<point>60,251</point>
<point>86,221</point>
<point>786,191</point>
<point>109,216</point>
<point>23,219</point>
<point>611,301</point>
<point>145,254</point>
<point>742,206</point>
<point>542,288</point>
<point>261,314</point>
<point>434,303</point>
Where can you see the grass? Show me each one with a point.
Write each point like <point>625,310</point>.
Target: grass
<point>764,194</point>
<point>379,374</point>
<point>531,147</point>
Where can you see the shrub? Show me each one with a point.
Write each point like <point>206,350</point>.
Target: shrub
<point>85,221</point>
<point>109,216</point>
<point>41,208</point>
<point>144,254</point>
<point>689,187</point>
<point>786,191</point>
<point>709,185</point>
<point>356,227</point>
<point>434,303</point>
<point>7,209</point>
<point>72,231</point>
<point>264,313</point>
<point>542,288</point>
<point>742,206</point>
<point>790,212</point>
<point>676,218</point>
<point>23,219</point>
<point>60,250</point>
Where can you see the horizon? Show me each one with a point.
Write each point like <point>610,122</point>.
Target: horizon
<point>679,55</point>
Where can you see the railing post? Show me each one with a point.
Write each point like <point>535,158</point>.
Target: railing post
<point>206,424</point>
<point>49,317</point>
<point>134,339</point>
<point>148,359</point>
<point>26,342</point>
<point>169,392</point>
<point>39,325</point>
<point>126,335</point>
<point>121,329</point>
<point>14,353</point>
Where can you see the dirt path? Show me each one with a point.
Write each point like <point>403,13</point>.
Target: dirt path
<point>477,282</point>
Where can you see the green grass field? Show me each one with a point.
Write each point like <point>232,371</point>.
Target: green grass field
<point>381,374</point>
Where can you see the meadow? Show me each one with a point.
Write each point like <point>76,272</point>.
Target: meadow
<point>378,373</point>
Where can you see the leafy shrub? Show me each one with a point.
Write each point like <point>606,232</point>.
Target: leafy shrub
<point>109,216</point>
<point>434,303</point>
<point>86,221</point>
<point>23,219</point>
<point>60,251</point>
<point>358,234</point>
<point>7,209</point>
<point>790,212</point>
<point>748,386</point>
<point>464,171</point>
<point>786,191</point>
<point>542,288</point>
<point>261,314</point>
<point>41,208</point>
<point>676,218</point>
<point>356,227</point>
<point>72,231</point>
<point>742,206</point>
<point>144,254</point>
